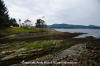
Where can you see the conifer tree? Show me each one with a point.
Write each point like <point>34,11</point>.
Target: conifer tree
<point>4,17</point>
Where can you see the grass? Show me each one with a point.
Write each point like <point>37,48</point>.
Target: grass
<point>38,45</point>
<point>29,45</point>
<point>15,30</point>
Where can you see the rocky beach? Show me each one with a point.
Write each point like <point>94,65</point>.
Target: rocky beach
<point>48,45</point>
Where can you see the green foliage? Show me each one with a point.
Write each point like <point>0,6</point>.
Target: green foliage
<point>4,18</point>
<point>44,44</point>
<point>15,30</point>
<point>13,22</point>
<point>40,23</point>
<point>5,21</point>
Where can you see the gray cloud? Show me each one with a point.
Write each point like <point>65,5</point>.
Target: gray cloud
<point>56,11</point>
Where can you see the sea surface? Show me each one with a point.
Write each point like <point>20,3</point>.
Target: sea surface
<point>90,32</point>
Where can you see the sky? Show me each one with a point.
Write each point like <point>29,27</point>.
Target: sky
<point>78,12</point>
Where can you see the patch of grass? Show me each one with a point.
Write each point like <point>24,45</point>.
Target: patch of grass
<point>38,45</point>
<point>29,45</point>
<point>15,30</point>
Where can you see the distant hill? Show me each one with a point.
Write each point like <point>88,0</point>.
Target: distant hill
<point>73,26</point>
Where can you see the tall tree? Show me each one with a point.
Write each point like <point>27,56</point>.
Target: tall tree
<point>4,17</point>
<point>40,23</point>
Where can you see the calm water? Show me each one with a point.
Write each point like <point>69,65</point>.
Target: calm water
<point>91,32</point>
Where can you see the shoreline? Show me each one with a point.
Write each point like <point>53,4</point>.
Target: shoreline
<point>84,35</point>
<point>63,41</point>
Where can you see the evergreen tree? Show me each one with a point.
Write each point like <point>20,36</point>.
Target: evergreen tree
<point>4,18</point>
<point>13,22</point>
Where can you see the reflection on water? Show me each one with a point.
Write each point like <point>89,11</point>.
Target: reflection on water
<point>90,32</point>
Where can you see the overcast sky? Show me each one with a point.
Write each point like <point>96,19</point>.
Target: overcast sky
<point>81,12</point>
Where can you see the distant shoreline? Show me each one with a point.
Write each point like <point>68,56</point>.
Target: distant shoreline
<point>75,28</point>
<point>70,26</point>
<point>86,32</point>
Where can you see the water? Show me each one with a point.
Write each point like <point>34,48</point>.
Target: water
<point>90,32</point>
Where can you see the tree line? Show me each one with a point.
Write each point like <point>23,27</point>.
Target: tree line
<point>5,20</point>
